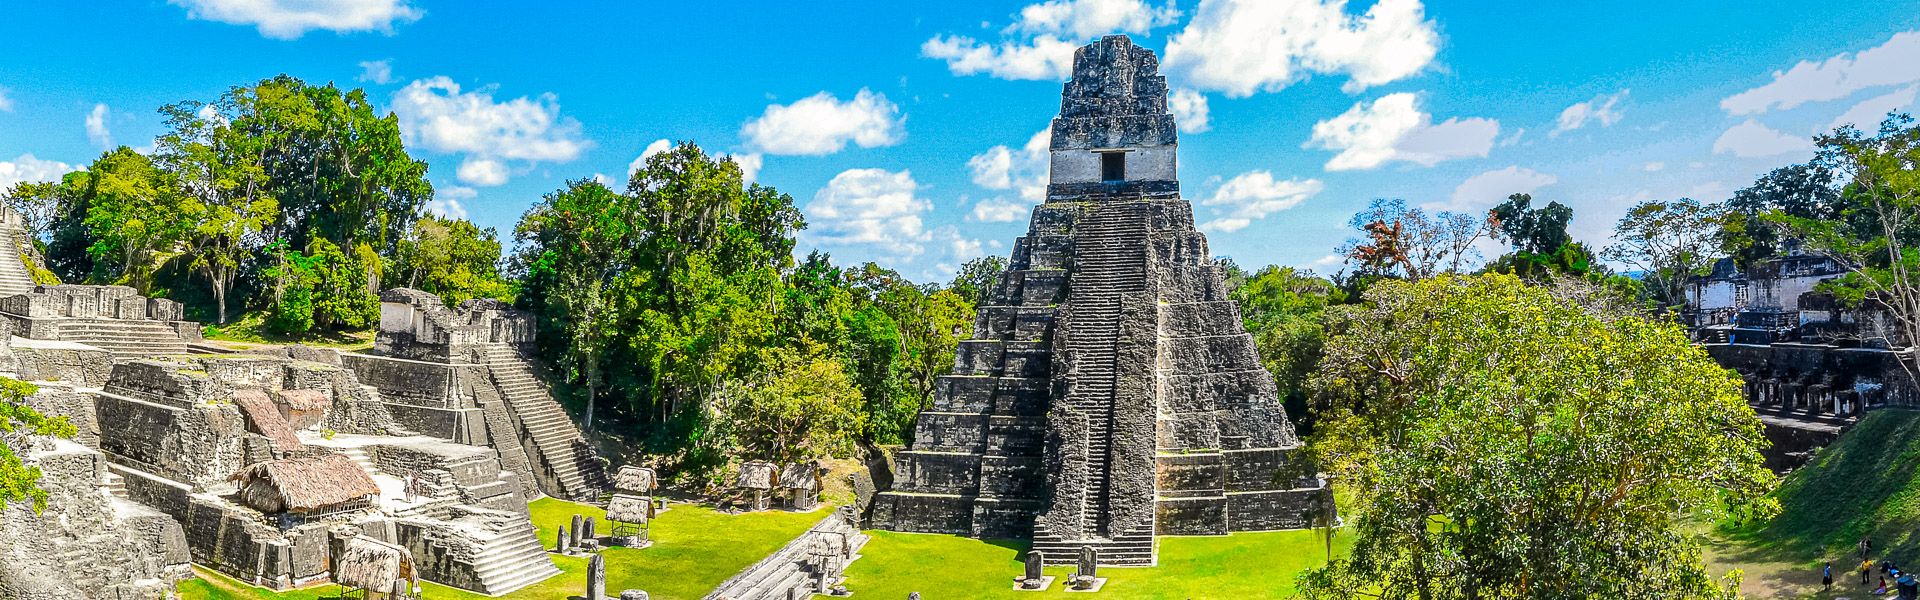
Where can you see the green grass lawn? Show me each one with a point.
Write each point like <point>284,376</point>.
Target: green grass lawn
<point>695,548</point>
<point>250,328</point>
<point>1242,565</point>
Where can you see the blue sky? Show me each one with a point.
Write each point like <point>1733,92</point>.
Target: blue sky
<point>903,129</point>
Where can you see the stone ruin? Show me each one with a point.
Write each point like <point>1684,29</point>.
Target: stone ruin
<point>466,375</point>
<point>1109,393</point>
<point>265,465</point>
<point>113,318</point>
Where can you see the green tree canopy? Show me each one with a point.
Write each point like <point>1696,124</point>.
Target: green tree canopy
<point>451,258</point>
<point>1501,442</point>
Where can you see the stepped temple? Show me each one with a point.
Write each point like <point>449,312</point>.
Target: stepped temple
<point>1109,393</point>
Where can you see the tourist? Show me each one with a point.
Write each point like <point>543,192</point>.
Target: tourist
<point>1882,590</point>
<point>1826,576</point>
<point>408,484</point>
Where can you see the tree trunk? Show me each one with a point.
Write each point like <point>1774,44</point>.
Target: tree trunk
<point>593,380</point>
<point>220,298</point>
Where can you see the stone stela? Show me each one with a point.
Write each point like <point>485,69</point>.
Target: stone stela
<point>1109,393</point>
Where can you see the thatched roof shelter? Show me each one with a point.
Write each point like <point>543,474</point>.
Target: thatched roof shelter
<point>266,418</point>
<point>303,485</point>
<point>372,564</point>
<point>801,475</point>
<point>634,479</point>
<point>629,509</point>
<point>756,475</point>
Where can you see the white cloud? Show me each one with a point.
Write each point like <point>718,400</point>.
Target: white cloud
<point>871,207</point>
<point>436,115</point>
<point>1189,109</point>
<point>1245,46</point>
<point>1750,139</point>
<point>1253,195</point>
<point>290,19</point>
<point>658,146</point>
<point>484,172</point>
<point>998,210</point>
<point>1655,166</point>
<point>1867,115</point>
<point>377,72</point>
<point>1895,62</point>
<point>1039,44</point>
<point>1024,169</point>
<point>446,202</point>
<point>26,168</point>
<point>97,126</point>
<point>1601,109</point>
<point>822,124</point>
<point>1394,128</point>
<point>6,102</point>
<point>1480,192</point>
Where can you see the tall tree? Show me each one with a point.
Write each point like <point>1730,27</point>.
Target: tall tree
<point>136,213</point>
<point>1803,191</point>
<point>220,168</point>
<point>578,243</point>
<point>1408,243</point>
<point>976,277</point>
<point>451,258</point>
<point>1501,442</point>
<point>1668,243</point>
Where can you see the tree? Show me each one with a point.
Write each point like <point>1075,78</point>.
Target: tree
<point>220,169</point>
<point>1668,243</point>
<point>976,278</point>
<point>1531,230</point>
<point>1875,234</point>
<point>135,214</point>
<point>451,258</point>
<point>341,299</point>
<point>1804,191</point>
<point>1284,310</point>
<point>801,406</point>
<point>55,214</point>
<point>577,242</point>
<point>1501,442</point>
<point>18,481</point>
<point>1406,242</point>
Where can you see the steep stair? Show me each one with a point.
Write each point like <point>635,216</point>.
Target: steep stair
<point>14,278</point>
<point>512,558</point>
<point>555,438</point>
<point>790,567</point>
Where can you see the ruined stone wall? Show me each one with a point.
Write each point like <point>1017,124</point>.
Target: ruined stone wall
<point>85,545</point>
<point>200,444</point>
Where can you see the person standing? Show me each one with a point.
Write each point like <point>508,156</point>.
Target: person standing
<point>1826,576</point>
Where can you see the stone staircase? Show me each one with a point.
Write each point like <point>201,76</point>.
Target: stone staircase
<point>1134,548</point>
<point>789,567</point>
<point>1110,245</point>
<point>567,458</point>
<point>114,484</point>
<point>132,338</point>
<point>512,558</point>
<point>14,278</point>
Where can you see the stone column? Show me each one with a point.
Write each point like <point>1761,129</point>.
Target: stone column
<point>597,578</point>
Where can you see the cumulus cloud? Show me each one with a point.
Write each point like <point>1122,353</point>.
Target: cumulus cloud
<point>290,19</point>
<point>1040,42</point>
<point>1750,139</point>
<point>97,126</point>
<point>446,202</point>
<point>484,172</point>
<point>1601,109</point>
<point>998,210</point>
<point>1867,115</point>
<point>1895,62</point>
<point>1481,192</point>
<point>1023,169</point>
<point>26,168</point>
<point>1394,128</point>
<point>1245,46</point>
<point>1253,195</point>
<point>870,207</point>
<point>822,124</point>
<point>436,115</point>
<point>377,72</point>
<point>749,165</point>
<point>1189,109</point>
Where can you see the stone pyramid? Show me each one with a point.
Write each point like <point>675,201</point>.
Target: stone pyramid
<point>1109,393</point>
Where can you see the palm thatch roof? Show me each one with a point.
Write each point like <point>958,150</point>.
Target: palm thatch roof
<point>266,418</point>
<point>628,509</point>
<point>300,485</point>
<point>305,400</point>
<point>634,479</point>
<point>801,475</point>
<point>372,564</point>
<point>756,475</point>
